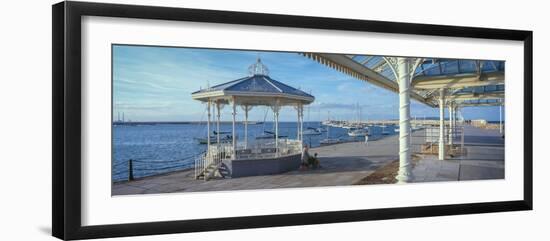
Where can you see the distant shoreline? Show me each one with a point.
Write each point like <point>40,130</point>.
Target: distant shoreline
<point>195,122</point>
<point>221,122</point>
<point>133,123</point>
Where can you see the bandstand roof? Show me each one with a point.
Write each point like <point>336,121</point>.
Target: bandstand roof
<point>256,89</point>
<point>468,82</point>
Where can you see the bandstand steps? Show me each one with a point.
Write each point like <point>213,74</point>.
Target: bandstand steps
<point>211,170</point>
<point>224,171</point>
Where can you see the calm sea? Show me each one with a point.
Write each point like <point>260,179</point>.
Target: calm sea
<point>160,148</point>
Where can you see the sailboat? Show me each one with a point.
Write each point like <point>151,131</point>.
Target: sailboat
<point>269,135</point>
<point>320,128</point>
<point>225,137</point>
<point>310,131</point>
<point>328,140</point>
<point>358,130</point>
<point>384,131</point>
<point>416,126</point>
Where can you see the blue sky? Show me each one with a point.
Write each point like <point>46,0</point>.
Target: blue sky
<point>155,84</point>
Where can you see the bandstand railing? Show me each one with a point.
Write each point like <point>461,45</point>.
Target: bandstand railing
<point>259,149</point>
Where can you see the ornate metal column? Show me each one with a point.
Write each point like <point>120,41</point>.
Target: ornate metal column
<point>301,123</point>
<point>441,124</point>
<point>404,69</point>
<point>234,105</point>
<point>246,109</point>
<point>208,104</point>
<point>455,122</point>
<point>451,123</point>
<point>218,107</point>
<point>276,113</point>
<point>298,131</point>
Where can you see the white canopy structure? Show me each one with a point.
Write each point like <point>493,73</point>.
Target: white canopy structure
<point>436,82</point>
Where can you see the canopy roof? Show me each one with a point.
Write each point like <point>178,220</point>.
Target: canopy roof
<point>475,79</point>
<point>256,89</point>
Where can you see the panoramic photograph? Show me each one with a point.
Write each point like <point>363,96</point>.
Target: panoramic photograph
<point>201,119</point>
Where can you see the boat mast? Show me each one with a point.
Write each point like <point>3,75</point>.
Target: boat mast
<point>328,126</point>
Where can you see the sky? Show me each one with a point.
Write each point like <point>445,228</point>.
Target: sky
<point>155,84</point>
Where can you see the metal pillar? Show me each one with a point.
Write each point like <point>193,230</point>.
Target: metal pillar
<point>276,113</point>
<point>442,124</point>
<point>405,168</point>
<point>234,134</point>
<point>457,115</point>
<point>301,123</point>
<point>456,118</point>
<point>298,131</point>
<point>208,128</point>
<point>451,123</point>
<point>218,122</point>
<point>246,126</point>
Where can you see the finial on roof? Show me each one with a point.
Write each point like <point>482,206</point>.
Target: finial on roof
<point>258,68</point>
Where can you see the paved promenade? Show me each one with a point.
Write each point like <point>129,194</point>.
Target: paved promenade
<point>484,159</point>
<point>342,164</point>
<point>345,164</point>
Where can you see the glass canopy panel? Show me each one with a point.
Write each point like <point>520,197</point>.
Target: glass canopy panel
<point>359,58</point>
<point>388,73</point>
<point>433,67</point>
<point>374,62</point>
<point>449,67</point>
<point>467,66</point>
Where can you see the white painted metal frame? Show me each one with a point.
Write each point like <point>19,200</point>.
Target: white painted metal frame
<point>403,69</point>
<point>441,151</point>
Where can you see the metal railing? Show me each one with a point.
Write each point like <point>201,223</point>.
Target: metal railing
<point>259,149</point>
<point>144,167</point>
<point>207,160</point>
<point>426,140</point>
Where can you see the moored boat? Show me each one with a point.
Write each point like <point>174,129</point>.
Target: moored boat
<point>225,137</point>
<point>358,132</point>
<point>310,131</point>
<point>269,135</point>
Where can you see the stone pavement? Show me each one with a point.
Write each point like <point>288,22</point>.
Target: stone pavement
<point>484,160</point>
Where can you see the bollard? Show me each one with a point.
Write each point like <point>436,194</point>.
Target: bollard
<point>130,170</point>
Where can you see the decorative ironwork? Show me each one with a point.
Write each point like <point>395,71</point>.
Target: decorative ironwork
<point>393,62</point>
<point>258,68</point>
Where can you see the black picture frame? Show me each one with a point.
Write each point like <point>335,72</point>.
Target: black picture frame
<point>66,158</point>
